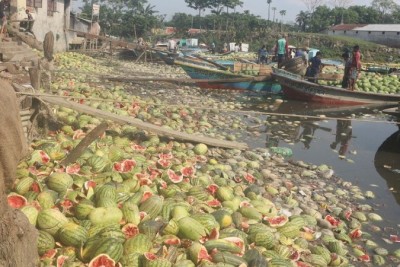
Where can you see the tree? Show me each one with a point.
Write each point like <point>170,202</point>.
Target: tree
<point>302,20</point>
<point>311,5</point>
<point>273,9</point>
<point>282,13</point>
<point>269,7</point>
<point>343,4</point>
<point>384,7</point>
<point>200,4</point>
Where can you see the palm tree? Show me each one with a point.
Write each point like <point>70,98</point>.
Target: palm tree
<point>302,20</point>
<point>282,13</point>
<point>273,9</point>
<point>269,7</point>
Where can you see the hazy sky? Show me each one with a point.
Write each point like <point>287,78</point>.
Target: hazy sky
<point>256,7</point>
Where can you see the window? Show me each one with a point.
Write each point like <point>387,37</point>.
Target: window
<point>398,33</point>
<point>356,32</point>
<point>344,32</point>
<point>369,32</point>
<point>51,7</point>
<point>383,32</point>
<point>34,3</point>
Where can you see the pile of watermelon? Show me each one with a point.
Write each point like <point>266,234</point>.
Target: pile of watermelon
<point>135,199</point>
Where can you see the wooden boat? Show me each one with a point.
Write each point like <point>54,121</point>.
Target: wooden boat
<point>393,111</point>
<point>257,78</point>
<point>294,87</point>
<point>169,59</point>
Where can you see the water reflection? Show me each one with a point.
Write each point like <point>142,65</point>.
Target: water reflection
<point>387,163</point>
<point>344,131</point>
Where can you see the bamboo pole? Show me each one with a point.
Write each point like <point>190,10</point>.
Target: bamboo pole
<point>143,125</point>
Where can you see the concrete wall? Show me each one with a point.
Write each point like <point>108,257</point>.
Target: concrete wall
<point>45,23</point>
<point>391,39</point>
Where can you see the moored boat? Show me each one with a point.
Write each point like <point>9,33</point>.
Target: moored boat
<point>294,87</point>
<point>253,77</point>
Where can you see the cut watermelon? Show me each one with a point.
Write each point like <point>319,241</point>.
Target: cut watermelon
<point>173,177</point>
<point>103,260</point>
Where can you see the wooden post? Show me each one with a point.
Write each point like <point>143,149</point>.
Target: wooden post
<point>34,75</point>
<point>86,141</point>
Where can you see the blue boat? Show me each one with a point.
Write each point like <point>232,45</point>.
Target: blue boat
<point>258,79</point>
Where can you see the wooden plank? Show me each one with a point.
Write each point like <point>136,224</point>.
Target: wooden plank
<point>84,143</point>
<point>178,80</point>
<point>143,125</point>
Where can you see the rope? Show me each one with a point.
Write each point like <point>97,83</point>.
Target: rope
<point>219,109</point>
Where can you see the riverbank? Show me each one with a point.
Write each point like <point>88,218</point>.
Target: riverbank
<point>259,204</point>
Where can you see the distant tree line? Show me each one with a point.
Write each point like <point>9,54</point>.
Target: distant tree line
<point>131,19</point>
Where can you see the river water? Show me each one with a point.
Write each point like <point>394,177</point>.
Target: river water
<point>361,144</point>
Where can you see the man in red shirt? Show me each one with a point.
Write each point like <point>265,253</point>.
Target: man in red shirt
<point>355,67</point>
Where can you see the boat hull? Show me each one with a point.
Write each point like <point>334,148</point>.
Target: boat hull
<point>195,72</point>
<point>294,87</point>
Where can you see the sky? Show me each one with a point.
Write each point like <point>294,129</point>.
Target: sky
<point>256,7</point>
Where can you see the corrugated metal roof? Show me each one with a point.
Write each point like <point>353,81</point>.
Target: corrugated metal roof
<point>379,28</point>
<point>346,27</point>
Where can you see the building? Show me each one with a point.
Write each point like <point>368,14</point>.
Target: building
<point>385,34</point>
<point>49,15</point>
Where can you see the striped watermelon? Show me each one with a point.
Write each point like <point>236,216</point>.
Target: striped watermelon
<point>51,220</point>
<point>71,234</point>
<point>45,242</point>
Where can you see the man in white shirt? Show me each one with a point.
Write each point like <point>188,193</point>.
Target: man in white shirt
<point>171,45</point>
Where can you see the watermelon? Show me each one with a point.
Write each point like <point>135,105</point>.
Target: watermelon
<point>45,242</point>
<point>31,213</point>
<point>105,215</point>
<point>125,166</point>
<point>102,260</point>
<point>71,234</point>
<point>277,221</point>
<point>173,177</point>
<point>16,201</point>
<point>51,220</point>
<point>200,149</point>
<point>59,182</point>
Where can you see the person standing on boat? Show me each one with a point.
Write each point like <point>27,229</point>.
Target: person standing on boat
<point>305,55</point>
<point>355,67</point>
<point>347,72</point>
<point>281,50</point>
<point>314,68</point>
<point>172,45</point>
<point>262,55</point>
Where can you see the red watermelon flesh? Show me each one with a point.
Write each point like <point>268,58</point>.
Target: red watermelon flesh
<point>102,260</point>
<point>173,177</point>
<point>16,201</point>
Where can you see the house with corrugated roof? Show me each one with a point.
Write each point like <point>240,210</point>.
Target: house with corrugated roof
<point>385,34</point>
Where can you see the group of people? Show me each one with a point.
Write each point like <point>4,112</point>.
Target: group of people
<point>352,63</point>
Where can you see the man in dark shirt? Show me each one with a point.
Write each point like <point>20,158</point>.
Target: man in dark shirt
<point>314,68</point>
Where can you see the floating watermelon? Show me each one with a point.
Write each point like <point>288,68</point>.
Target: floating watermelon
<point>334,222</point>
<point>356,233</point>
<point>103,260</point>
<point>364,258</point>
<point>277,221</point>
